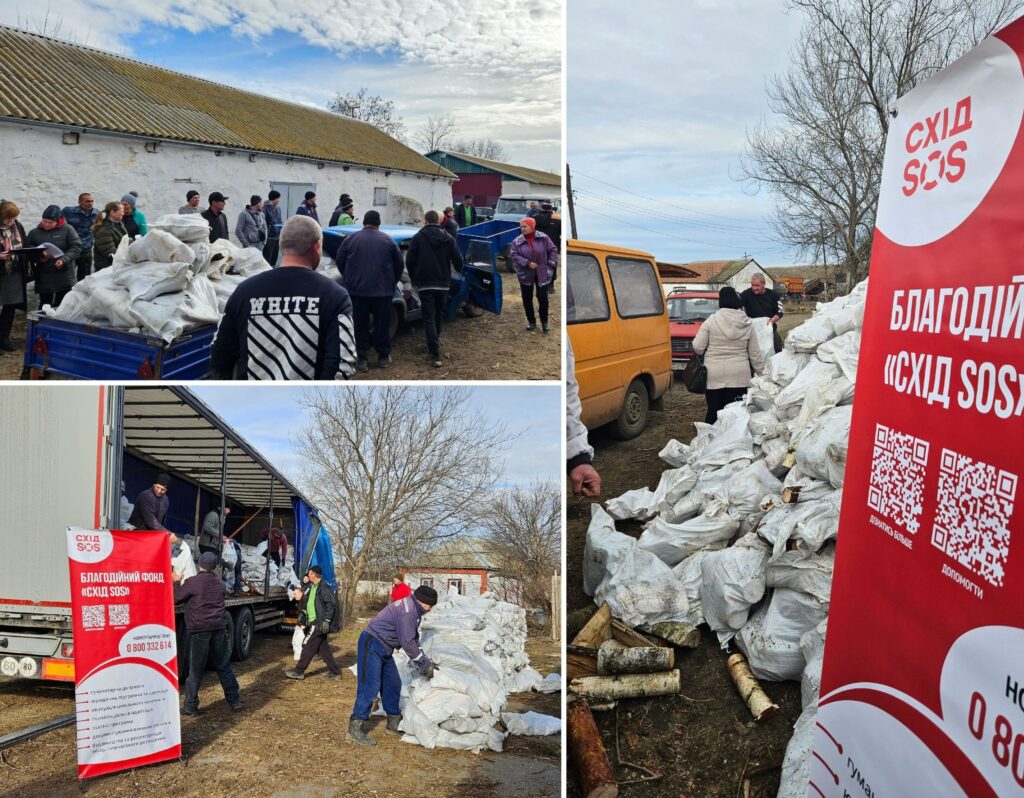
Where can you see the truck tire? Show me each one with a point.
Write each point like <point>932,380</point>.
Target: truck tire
<point>633,416</point>
<point>243,629</point>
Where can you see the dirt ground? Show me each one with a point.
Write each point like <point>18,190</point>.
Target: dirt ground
<point>287,742</point>
<point>703,739</point>
<point>488,347</point>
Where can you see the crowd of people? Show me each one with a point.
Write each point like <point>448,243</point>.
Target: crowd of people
<point>290,323</point>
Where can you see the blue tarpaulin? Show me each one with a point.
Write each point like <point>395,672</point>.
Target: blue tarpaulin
<point>310,534</point>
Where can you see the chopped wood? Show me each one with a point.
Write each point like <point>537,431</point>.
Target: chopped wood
<point>789,460</point>
<point>596,630</point>
<point>630,637</point>
<point>577,619</point>
<point>588,755</point>
<point>757,701</point>
<point>791,495</point>
<point>677,633</point>
<point>630,685</point>
<point>577,665</point>
<point>613,657</point>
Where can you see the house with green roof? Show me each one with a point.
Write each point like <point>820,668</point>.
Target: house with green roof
<point>487,180</point>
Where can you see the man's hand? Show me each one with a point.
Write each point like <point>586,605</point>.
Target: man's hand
<point>429,672</point>
<point>296,594</point>
<point>585,481</point>
<point>532,265</point>
<point>773,319</point>
<point>174,538</point>
<point>176,577</point>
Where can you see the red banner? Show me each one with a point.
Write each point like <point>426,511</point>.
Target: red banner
<point>922,691</point>
<point>126,666</point>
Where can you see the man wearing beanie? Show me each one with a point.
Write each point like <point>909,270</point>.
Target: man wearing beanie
<point>371,265</point>
<point>396,626</point>
<point>318,609</point>
<point>206,621</point>
<point>151,506</point>
<point>191,203</point>
<point>308,207</point>
<point>344,213</point>
<point>272,215</point>
<point>251,228</point>
<point>55,276</point>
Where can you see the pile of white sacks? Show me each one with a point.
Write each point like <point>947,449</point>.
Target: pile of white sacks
<point>164,283</point>
<point>478,644</point>
<point>720,546</point>
<point>254,565</point>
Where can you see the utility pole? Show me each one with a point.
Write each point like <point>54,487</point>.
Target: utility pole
<point>572,206</point>
<point>824,262</point>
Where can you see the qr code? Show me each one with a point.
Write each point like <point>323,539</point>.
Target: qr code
<point>972,516</point>
<point>93,616</point>
<point>896,489</point>
<point>118,614</point>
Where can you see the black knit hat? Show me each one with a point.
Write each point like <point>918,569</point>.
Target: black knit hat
<point>52,213</point>
<point>163,479</point>
<point>371,217</point>
<point>426,594</point>
<point>310,195</point>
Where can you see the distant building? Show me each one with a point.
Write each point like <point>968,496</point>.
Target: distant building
<point>713,274</point>
<point>469,565</point>
<point>76,119</point>
<point>487,180</point>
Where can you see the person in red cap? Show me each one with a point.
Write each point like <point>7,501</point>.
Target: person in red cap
<point>535,257</point>
<point>55,274</point>
<point>399,589</point>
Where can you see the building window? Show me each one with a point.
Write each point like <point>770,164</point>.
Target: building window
<point>426,582</point>
<point>456,583</point>
<point>380,196</point>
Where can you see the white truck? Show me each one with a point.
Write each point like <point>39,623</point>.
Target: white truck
<point>72,452</point>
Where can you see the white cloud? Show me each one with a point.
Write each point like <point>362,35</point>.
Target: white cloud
<point>496,66</point>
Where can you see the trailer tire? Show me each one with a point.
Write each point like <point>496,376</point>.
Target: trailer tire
<point>243,628</point>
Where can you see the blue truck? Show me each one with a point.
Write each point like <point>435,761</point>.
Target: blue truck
<point>75,350</point>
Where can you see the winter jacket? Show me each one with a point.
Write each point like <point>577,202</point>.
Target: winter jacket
<point>339,217</point>
<point>287,324</point>
<point>251,229</point>
<point>541,251</point>
<point>140,221</point>
<point>398,626</point>
<point>460,214</point>
<point>278,542</point>
<point>14,272</point>
<point>131,226</point>
<point>49,278</point>
<point>272,215</point>
<point>105,242</point>
<point>761,306</point>
<point>370,263</point>
<point>150,511</point>
<point>325,616</point>
<point>203,597</point>
<point>186,209</point>
<point>218,224</point>
<point>550,226</point>
<point>450,226</point>
<point>305,209</point>
<point>210,536</point>
<point>82,221</point>
<point>729,346</point>
<point>577,450</point>
<point>431,256</point>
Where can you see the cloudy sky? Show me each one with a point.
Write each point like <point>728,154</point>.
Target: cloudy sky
<point>660,95</point>
<point>270,416</point>
<point>495,66</point>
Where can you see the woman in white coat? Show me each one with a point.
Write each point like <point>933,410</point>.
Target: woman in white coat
<point>730,350</point>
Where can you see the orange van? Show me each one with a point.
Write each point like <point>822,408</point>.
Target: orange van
<point>618,326</point>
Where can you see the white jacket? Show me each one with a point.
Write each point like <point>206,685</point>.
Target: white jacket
<point>730,348</point>
<point>575,433</point>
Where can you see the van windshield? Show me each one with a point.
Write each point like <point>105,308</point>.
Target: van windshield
<point>690,310</point>
<point>515,205</point>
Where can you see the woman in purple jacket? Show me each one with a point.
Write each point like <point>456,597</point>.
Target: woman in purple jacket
<point>536,257</point>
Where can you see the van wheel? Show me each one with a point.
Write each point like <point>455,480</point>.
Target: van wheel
<point>633,416</point>
<point>242,634</point>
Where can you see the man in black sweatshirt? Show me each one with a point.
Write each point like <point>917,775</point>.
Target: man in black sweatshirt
<point>206,620</point>
<point>431,256</point>
<point>763,303</point>
<point>290,323</point>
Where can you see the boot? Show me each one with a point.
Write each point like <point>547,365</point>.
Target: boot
<point>393,721</point>
<point>293,674</point>
<point>356,733</point>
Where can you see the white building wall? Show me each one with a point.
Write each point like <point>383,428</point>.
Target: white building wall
<point>741,280</point>
<point>472,584</point>
<point>40,170</point>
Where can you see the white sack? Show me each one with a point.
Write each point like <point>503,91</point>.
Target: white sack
<point>146,280</point>
<point>675,453</point>
<point>764,334</point>
<point>821,450</point>
<point>161,247</point>
<point>809,523</point>
<point>631,504</point>
<point>298,640</point>
<point>531,724</point>
<point>188,227</point>
<point>552,683</point>
<point>604,550</point>
<point>110,303</point>
<point>783,367</point>
<point>731,439</point>
<point>761,392</point>
<point>732,581</point>
<point>771,638</point>
<point>810,335</point>
<point>796,767</point>
<point>808,572</point>
<point>671,543</point>
<point>249,261</point>
<point>183,563</point>
<point>790,398</point>
<point>689,573</point>
<point>812,646</point>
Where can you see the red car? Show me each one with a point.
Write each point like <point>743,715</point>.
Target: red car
<point>687,310</point>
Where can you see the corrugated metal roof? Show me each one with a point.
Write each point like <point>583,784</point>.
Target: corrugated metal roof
<point>46,80</point>
<point>511,170</point>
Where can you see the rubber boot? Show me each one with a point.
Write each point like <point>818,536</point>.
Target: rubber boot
<point>393,721</point>
<point>356,733</point>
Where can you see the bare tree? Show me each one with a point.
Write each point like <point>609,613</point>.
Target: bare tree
<point>481,148</point>
<point>524,526</point>
<point>822,158</point>
<point>395,469</point>
<point>436,133</point>
<point>369,108</point>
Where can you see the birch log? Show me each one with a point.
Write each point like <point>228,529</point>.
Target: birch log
<point>613,657</point>
<point>759,704</point>
<point>588,755</point>
<point>630,685</point>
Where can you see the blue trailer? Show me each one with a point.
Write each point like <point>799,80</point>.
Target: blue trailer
<point>494,236</point>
